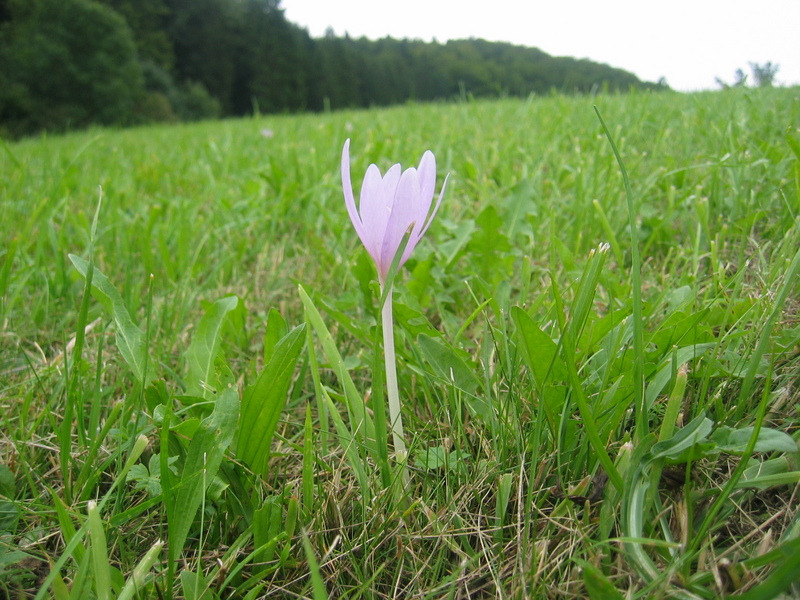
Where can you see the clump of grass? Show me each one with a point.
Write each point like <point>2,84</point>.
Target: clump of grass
<point>192,363</point>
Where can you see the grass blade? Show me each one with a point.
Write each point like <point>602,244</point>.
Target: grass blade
<point>101,571</point>
<point>636,290</point>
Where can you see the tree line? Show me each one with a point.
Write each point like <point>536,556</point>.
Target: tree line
<point>71,63</point>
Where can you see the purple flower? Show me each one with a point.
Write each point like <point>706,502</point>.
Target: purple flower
<point>390,205</point>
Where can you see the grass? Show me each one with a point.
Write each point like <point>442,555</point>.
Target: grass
<point>599,386</point>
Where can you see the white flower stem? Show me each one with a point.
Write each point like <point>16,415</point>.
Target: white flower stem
<point>395,416</point>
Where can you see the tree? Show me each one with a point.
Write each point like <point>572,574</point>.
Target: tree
<point>205,40</point>
<point>764,75</point>
<point>148,20</point>
<point>272,61</point>
<point>66,63</point>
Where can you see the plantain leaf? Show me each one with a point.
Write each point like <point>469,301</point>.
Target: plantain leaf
<point>453,368</point>
<point>202,380</point>
<point>203,459</point>
<point>539,351</point>
<point>276,330</point>
<point>447,364</point>
<point>735,441</point>
<point>688,443</point>
<point>263,401</point>
<point>130,339</point>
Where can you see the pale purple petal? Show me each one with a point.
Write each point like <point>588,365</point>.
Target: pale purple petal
<point>422,201</point>
<point>390,181</point>
<point>402,217</point>
<point>347,187</point>
<point>424,228</point>
<point>427,175</point>
<point>373,213</point>
<point>435,208</point>
<point>390,206</point>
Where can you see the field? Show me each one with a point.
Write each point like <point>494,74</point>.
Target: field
<point>598,352</point>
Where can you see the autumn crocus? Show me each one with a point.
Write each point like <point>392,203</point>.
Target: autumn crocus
<point>391,206</point>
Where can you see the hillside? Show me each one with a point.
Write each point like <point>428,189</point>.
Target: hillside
<point>67,64</point>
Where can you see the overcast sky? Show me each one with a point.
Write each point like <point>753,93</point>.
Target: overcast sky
<point>688,42</point>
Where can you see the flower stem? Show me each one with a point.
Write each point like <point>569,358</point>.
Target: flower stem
<point>395,416</point>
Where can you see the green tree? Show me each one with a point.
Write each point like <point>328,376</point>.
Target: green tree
<point>764,75</point>
<point>148,20</point>
<point>272,61</point>
<point>66,63</point>
<point>205,41</point>
<point>342,71</point>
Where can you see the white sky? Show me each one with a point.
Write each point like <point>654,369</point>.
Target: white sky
<point>689,42</point>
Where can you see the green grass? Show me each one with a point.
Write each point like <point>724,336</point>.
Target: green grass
<point>184,363</point>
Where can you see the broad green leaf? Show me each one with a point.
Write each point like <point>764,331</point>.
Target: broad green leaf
<point>447,364</point>
<point>203,459</point>
<point>684,440</point>
<point>505,485</point>
<point>7,483</point>
<point>735,441</point>
<point>438,457</point>
<point>452,368</point>
<point>460,236</point>
<point>9,517</point>
<point>276,330</point>
<point>195,586</point>
<point>519,204</point>
<point>598,585</point>
<point>149,479</point>
<point>130,339</point>
<point>264,400</point>
<point>490,248</point>
<point>539,351</point>
<point>202,378</point>
<point>11,557</point>
<point>680,329</point>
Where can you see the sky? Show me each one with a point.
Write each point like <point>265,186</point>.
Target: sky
<point>690,43</point>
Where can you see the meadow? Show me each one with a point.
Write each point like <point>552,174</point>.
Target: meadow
<point>598,351</point>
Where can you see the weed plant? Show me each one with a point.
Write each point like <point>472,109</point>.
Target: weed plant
<point>597,350</point>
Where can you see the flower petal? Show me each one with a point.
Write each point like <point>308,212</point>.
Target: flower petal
<point>401,218</point>
<point>374,213</point>
<point>416,237</point>
<point>435,208</point>
<point>347,187</point>
<point>390,206</point>
<point>427,175</point>
<point>424,196</point>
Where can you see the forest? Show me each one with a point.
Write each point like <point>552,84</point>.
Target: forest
<point>68,64</point>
